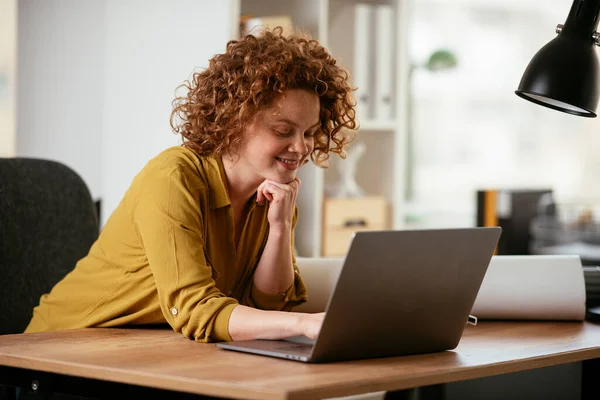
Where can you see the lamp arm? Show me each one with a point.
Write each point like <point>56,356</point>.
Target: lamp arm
<point>582,21</point>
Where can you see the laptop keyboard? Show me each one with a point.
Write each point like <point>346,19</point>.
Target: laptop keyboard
<point>303,348</point>
<point>301,339</point>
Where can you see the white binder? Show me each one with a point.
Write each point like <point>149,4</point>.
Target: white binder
<point>363,51</point>
<point>384,62</point>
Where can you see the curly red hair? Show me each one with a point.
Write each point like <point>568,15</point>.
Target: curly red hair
<point>249,77</point>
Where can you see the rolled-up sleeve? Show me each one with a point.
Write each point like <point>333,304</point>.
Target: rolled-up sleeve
<point>294,296</point>
<point>170,224</point>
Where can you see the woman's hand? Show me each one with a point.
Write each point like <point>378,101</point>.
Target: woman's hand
<point>247,323</point>
<point>282,197</point>
<point>311,324</point>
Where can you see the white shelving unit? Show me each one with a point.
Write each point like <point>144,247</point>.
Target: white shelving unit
<point>381,169</point>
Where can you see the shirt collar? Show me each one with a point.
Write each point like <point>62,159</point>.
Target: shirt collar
<point>217,184</point>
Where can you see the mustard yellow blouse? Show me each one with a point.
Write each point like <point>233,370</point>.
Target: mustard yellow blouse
<point>167,254</point>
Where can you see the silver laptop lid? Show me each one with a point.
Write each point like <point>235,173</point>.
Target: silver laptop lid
<point>404,292</point>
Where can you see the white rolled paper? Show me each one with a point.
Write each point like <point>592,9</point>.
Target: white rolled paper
<point>536,287</point>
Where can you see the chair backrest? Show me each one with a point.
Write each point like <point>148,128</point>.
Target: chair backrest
<point>48,222</point>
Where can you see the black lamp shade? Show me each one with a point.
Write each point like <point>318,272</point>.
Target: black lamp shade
<point>564,74</point>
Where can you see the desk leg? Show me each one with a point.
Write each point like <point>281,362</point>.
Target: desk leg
<point>432,392</point>
<point>590,371</point>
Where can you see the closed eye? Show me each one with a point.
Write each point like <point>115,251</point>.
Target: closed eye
<point>283,133</point>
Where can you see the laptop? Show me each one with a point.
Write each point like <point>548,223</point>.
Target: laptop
<point>398,293</point>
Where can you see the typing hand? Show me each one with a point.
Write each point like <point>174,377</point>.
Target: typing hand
<point>312,324</point>
<point>282,198</point>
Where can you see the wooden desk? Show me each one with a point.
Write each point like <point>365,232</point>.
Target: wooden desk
<point>165,360</point>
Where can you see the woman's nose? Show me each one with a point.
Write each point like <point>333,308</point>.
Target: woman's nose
<point>300,144</point>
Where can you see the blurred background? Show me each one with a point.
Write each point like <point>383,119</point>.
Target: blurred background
<point>90,84</point>
<point>471,131</point>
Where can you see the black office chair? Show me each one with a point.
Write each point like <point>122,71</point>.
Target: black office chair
<point>48,221</point>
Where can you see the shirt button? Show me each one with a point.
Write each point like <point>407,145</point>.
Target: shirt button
<point>174,311</point>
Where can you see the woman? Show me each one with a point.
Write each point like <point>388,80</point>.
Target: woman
<point>203,238</point>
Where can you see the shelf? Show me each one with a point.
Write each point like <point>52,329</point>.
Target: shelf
<point>377,125</point>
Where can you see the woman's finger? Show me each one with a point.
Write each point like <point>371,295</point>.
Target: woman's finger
<point>269,189</point>
<point>268,192</point>
<point>259,195</point>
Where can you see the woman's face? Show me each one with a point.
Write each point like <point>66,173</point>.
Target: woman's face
<point>281,138</point>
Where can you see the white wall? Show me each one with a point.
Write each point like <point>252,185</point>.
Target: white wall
<point>150,48</point>
<point>60,84</point>
<point>8,54</point>
<point>97,79</point>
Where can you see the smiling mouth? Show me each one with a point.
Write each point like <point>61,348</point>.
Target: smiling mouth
<point>288,162</point>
